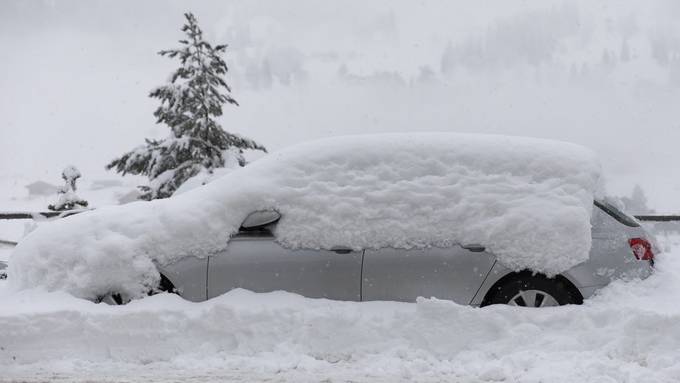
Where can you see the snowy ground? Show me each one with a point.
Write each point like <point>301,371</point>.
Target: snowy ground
<point>628,333</point>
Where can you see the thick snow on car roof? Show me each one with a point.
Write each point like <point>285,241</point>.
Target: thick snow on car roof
<point>526,200</point>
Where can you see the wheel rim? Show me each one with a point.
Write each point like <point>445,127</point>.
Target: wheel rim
<point>533,298</point>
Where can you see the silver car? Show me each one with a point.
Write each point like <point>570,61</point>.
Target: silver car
<point>466,274</point>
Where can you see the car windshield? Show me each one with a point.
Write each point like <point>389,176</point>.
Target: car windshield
<point>617,214</point>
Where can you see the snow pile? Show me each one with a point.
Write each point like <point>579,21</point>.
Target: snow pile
<point>527,200</point>
<point>67,198</point>
<point>628,333</point>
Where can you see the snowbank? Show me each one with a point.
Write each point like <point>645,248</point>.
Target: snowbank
<point>628,333</point>
<point>526,200</point>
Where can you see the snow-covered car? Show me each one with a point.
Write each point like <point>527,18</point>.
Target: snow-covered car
<point>3,270</point>
<point>475,219</point>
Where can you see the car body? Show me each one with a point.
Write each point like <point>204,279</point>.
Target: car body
<point>466,273</point>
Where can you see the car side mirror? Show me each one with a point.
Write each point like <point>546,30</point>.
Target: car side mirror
<point>259,219</point>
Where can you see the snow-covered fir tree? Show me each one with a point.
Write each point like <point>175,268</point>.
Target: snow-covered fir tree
<point>637,202</point>
<point>67,199</point>
<point>190,104</point>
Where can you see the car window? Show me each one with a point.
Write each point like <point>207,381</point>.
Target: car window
<point>617,214</point>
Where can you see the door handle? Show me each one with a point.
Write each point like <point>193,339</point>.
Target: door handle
<point>341,250</point>
<point>475,248</point>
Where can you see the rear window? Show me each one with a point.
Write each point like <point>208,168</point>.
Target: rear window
<point>617,214</point>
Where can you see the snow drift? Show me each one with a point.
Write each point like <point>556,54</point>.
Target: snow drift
<point>628,333</point>
<point>527,200</point>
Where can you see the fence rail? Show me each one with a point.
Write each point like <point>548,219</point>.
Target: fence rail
<point>658,218</point>
<point>39,215</point>
<point>42,215</point>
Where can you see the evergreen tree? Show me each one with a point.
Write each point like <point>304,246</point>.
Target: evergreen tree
<point>190,104</point>
<point>67,198</point>
<point>637,202</point>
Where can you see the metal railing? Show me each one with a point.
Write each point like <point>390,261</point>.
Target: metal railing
<point>658,218</point>
<point>47,215</point>
<point>40,215</point>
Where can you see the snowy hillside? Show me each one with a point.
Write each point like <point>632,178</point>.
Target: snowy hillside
<point>603,73</point>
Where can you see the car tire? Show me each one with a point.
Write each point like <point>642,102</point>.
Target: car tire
<point>532,290</point>
<point>112,298</point>
<point>115,298</point>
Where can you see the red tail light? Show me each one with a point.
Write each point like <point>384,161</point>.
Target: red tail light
<point>642,249</point>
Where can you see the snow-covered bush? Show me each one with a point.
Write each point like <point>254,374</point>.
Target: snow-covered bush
<point>67,199</point>
<point>527,200</point>
<point>190,105</point>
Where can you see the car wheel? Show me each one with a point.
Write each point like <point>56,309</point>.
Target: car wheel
<point>114,298</point>
<point>533,290</point>
<point>111,299</point>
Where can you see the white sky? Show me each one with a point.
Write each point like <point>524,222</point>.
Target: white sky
<point>74,77</point>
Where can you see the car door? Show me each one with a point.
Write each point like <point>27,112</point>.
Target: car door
<point>256,262</point>
<point>453,273</point>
